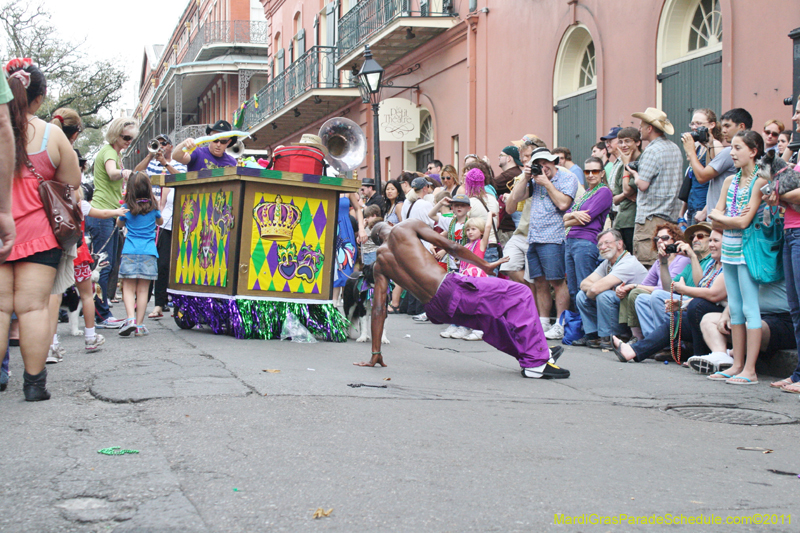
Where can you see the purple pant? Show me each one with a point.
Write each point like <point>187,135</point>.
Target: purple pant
<point>504,310</point>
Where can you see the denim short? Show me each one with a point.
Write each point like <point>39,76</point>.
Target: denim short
<point>138,266</point>
<point>546,259</point>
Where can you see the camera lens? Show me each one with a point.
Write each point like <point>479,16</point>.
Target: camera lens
<point>536,169</point>
<point>788,101</point>
<point>671,248</point>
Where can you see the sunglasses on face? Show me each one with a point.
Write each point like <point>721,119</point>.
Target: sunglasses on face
<point>592,171</point>
<point>219,141</point>
<point>771,133</point>
<point>163,143</point>
<point>127,138</point>
<point>700,236</point>
<point>661,238</point>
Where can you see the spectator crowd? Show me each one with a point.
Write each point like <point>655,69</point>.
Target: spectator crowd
<point>639,248</point>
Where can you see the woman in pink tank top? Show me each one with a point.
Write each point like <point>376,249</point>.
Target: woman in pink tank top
<point>26,278</point>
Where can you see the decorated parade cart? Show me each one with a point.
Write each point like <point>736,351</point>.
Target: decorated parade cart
<point>250,245</point>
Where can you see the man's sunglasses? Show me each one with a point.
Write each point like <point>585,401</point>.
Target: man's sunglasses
<point>700,236</point>
<point>771,133</point>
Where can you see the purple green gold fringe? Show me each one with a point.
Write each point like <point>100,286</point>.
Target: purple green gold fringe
<point>260,319</point>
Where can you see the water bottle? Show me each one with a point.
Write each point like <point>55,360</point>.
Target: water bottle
<point>682,224</point>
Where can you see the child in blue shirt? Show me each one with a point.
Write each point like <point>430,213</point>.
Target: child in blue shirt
<point>138,265</point>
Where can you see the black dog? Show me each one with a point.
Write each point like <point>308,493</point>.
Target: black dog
<point>357,297</point>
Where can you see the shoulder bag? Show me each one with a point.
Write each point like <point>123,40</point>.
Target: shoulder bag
<point>60,207</point>
<point>762,246</point>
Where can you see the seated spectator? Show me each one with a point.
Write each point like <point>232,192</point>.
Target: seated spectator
<point>777,332</point>
<point>629,148</point>
<point>597,301</point>
<point>584,221</point>
<point>565,160</point>
<point>707,297</point>
<point>660,275</point>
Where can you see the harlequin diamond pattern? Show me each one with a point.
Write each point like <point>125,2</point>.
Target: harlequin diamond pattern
<point>197,212</point>
<point>264,272</point>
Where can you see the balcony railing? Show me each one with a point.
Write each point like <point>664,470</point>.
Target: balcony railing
<point>369,16</point>
<point>316,69</point>
<point>185,132</point>
<point>227,32</point>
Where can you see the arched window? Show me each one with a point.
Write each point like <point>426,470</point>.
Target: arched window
<point>706,29</point>
<point>426,130</point>
<point>587,67</point>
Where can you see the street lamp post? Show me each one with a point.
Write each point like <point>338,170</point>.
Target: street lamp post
<point>370,77</point>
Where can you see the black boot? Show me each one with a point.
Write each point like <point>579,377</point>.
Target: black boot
<point>34,387</point>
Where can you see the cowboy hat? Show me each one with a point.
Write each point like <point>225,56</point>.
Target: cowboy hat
<point>309,139</point>
<point>657,119</point>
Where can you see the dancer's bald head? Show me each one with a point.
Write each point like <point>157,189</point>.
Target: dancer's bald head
<point>379,232</point>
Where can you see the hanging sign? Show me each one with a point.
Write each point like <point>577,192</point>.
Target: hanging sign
<point>399,120</point>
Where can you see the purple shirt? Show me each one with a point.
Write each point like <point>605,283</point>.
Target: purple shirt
<point>653,278</point>
<point>598,207</point>
<point>203,159</point>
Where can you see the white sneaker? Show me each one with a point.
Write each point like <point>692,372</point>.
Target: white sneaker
<point>53,356</point>
<point>422,317</point>
<point>545,324</point>
<point>555,332</point>
<point>713,362</point>
<point>446,334</point>
<point>460,333</point>
<point>93,343</point>
<point>476,335</point>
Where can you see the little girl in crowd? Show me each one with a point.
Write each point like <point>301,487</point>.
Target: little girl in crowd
<point>83,271</point>
<point>138,266</point>
<point>740,205</point>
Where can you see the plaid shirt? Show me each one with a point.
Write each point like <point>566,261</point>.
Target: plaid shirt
<point>660,166</point>
<point>547,222</point>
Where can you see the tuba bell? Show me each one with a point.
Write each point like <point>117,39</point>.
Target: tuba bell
<point>153,146</point>
<point>236,151</point>
<point>346,143</point>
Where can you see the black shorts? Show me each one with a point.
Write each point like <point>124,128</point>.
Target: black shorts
<point>49,258</point>
<point>781,333</point>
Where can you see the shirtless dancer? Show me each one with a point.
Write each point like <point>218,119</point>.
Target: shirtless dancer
<point>503,310</point>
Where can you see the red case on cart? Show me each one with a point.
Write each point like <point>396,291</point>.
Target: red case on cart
<point>301,159</point>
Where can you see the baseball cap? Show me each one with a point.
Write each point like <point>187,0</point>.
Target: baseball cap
<point>460,199</point>
<point>164,137</point>
<point>419,183</point>
<point>612,134</point>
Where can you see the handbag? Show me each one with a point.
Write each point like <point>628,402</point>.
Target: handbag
<point>686,187</point>
<point>61,209</point>
<point>762,247</point>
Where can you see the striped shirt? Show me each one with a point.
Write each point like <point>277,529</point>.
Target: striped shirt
<point>732,250</point>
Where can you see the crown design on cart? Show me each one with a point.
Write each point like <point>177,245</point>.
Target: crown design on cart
<point>276,220</point>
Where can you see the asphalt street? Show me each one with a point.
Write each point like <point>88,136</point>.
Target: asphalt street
<point>244,436</point>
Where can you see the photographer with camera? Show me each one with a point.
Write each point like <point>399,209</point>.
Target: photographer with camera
<point>552,191</point>
<point>721,165</point>
<point>705,145</point>
<point>667,243</point>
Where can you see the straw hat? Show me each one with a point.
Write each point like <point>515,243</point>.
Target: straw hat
<point>309,139</point>
<point>657,119</point>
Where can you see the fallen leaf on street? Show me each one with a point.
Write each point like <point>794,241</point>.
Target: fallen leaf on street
<point>320,512</point>
<point>271,371</point>
<point>387,379</point>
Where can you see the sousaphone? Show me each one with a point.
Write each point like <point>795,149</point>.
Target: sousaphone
<point>346,144</point>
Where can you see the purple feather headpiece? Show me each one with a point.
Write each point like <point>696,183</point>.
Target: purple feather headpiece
<point>474,182</point>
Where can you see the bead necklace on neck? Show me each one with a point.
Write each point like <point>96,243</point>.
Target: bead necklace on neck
<point>737,203</point>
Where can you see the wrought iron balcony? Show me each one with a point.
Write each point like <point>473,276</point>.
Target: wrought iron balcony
<point>233,33</point>
<point>313,70</point>
<point>195,131</point>
<point>369,18</point>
